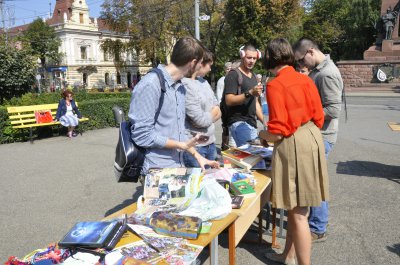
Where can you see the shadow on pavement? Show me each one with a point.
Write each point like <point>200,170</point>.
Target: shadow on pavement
<point>369,169</point>
<point>395,249</point>
<point>125,203</point>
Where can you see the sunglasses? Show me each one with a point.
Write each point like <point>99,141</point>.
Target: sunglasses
<point>301,61</point>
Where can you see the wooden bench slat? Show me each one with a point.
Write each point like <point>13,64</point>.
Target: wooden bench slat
<point>16,109</point>
<point>36,125</point>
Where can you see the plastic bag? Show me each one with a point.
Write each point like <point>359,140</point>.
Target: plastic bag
<point>213,202</point>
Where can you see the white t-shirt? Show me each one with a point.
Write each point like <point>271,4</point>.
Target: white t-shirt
<point>220,88</point>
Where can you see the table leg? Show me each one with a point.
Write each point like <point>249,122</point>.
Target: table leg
<point>231,244</point>
<point>214,251</point>
<point>260,230</point>
<point>281,216</point>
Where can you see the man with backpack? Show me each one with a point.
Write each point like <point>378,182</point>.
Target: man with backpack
<point>158,117</point>
<point>241,104</point>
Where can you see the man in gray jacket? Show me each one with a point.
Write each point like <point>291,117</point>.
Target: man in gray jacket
<point>329,82</point>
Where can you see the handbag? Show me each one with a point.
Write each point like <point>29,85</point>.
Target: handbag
<point>129,157</point>
<point>43,116</point>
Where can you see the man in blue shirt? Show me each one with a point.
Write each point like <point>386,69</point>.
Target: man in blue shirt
<point>165,139</point>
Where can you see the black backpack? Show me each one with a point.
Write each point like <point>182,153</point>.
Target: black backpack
<point>129,157</point>
<point>224,108</point>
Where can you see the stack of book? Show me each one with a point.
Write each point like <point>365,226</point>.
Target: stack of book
<point>241,158</point>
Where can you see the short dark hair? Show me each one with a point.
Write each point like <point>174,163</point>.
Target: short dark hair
<point>185,50</point>
<point>278,52</point>
<point>208,57</point>
<point>249,47</point>
<point>66,93</point>
<point>304,44</point>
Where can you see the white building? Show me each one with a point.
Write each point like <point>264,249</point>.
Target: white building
<point>84,61</point>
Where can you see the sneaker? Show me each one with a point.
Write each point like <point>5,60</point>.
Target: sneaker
<point>279,258</point>
<point>316,238</point>
<point>74,134</point>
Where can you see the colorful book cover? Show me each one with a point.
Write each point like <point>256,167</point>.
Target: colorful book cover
<point>237,201</point>
<point>90,234</point>
<point>242,188</point>
<point>236,154</point>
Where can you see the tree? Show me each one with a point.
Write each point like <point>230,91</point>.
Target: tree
<point>153,25</point>
<point>345,29</point>
<point>43,41</point>
<point>257,21</point>
<point>17,71</point>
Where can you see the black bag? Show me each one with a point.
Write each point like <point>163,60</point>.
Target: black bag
<point>129,157</point>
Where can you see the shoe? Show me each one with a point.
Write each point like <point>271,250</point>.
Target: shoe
<point>279,258</point>
<point>317,238</point>
<point>74,134</point>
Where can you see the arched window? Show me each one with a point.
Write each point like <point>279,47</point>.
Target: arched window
<point>107,78</point>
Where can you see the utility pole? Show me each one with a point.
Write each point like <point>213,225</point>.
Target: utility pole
<point>196,19</point>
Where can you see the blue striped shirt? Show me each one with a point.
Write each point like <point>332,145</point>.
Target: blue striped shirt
<point>169,125</point>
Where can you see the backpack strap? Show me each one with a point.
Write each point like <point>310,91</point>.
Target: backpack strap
<point>163,90</point>
<point>240,80</point>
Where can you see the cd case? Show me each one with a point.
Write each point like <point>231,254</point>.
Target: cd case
<point>94,235</point>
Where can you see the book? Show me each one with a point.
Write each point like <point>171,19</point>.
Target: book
<point>93,235</point>
<point>242,188</point>
<point>237,201</point>
<point>244,160</point>
<point>236,154</point>
<point>170,183</point>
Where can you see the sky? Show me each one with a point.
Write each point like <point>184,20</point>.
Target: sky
<point>25,11</point>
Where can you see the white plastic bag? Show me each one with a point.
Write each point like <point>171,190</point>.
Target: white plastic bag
<point>213,202</point>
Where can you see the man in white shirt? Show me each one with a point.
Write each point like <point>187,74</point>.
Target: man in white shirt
<point>221,82</point>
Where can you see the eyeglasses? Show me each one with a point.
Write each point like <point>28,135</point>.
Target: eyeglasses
<point>301,61</point>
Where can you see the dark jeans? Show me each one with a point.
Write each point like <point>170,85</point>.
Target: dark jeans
<point>208,151</point>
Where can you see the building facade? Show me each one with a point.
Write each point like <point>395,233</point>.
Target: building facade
<point>84,63</point>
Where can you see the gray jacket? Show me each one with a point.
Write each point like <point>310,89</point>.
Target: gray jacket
<point>329,82</point>
<point>200,99</point>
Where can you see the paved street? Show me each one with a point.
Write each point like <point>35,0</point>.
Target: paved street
<point>48,186</point>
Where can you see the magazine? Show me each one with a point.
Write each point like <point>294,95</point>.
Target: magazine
<point>155,249</point>
<point>172,183</point>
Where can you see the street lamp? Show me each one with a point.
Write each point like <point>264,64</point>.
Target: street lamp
<point>197,18</point>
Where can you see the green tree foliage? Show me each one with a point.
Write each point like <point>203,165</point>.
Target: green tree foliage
<point>152,25</point>
<point>257,21</point>
<point>17,71</point>
<point>343,28</point>
<point>43,41</point>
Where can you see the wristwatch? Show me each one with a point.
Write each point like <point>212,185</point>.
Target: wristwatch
<point>247,94</point>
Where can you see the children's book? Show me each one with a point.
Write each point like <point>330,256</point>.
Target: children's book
<point>242,188</point>
<point>93,235</point>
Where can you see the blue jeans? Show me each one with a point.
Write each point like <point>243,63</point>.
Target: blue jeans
<point>318,218</point>
<point>242,132</point>
<point>207,151</point>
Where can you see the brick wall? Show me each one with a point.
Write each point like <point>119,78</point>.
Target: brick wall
<point>359,73</point>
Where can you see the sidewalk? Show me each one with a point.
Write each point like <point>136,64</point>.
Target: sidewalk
<point>374,90</point>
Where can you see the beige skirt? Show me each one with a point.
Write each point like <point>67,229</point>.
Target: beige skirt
<point>299,170</point>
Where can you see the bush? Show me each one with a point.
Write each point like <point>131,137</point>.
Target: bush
<point>48,98</point>
<point>98,111</point>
